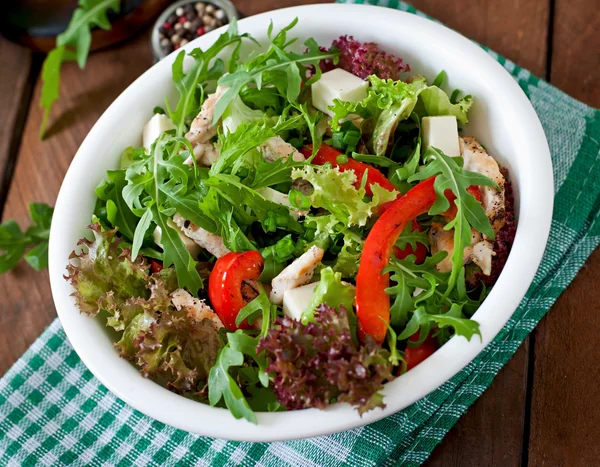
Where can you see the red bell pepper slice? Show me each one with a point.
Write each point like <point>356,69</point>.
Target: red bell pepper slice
<point>225,284</point>
<point>420,252</point>
<point>415,355</point>
<point>372,302</point>
<point>155,266</point>
<point>327,154</point>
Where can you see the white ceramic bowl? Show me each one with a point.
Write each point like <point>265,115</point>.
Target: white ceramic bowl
<point>502,119</point>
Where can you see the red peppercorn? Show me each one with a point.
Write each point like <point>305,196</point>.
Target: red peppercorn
<point>176,47</point>
<point>167,26</point>
<point>182,19</point>
<point>201,30</point>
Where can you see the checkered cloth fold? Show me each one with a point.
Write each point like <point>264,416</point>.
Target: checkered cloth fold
<point>54,412</point>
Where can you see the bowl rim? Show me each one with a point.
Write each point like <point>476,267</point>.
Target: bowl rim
<point>175,410</point>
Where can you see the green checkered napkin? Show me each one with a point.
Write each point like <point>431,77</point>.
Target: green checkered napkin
<point>54,412</point>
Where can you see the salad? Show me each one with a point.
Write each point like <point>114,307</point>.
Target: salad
<point>302,226</point>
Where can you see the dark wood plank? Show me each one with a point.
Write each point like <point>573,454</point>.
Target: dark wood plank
<point>15,91</point>
<point>491,432</point>
<point>27,307</point>
<point>565,418</point>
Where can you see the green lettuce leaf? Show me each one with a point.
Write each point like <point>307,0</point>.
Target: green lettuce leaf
<point>433,102</point>
<point>330,291</point>
<point>335,191</point>
<point>387,103</point>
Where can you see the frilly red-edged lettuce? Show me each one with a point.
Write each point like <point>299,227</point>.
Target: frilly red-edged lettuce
<point>318,363</point>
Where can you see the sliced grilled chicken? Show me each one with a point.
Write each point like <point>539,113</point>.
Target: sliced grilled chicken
<point>195,307</point>
<point>207,240</point>
<point>482,255</point>
<point>477,160</point>
<point>202,130</point>
<point>276,148</point>
<point>443,240</point>
<point>298,273</point>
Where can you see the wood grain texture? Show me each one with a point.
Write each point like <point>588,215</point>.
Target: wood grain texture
<point>15,91</point>
<point>491,432</point>
<point>253,7</point>
<point>26,307</point>
<point>565,418</point>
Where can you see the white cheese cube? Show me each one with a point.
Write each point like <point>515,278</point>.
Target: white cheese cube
<point>295,301</point>
<point>189,244</point>
<point>337,84</point>
<point>441,133</point>
<point>154,128</point>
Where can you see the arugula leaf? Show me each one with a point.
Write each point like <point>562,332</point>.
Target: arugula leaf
<point>14,243</point>
<point>221,384</point>
<point>273,173</point>
<point>242,342</point>
<point>118,214</point>
<point>450,175</point>
<point>453,318</point>
<point>206,68</point>
<point>176,254</point>
<point>263,304</point>
<point>278,67</point>
<point>270,214</point>
<point>140,232</point>
<point>412,237</point>
<point>72,45</point>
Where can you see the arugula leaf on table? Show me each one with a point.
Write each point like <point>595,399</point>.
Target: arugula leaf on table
<point>277,66</point>
<point>450,175</point>
<point>72,45</point>
<point>14,242</point>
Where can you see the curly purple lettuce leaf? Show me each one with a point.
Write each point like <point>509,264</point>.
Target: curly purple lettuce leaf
<point>364,59</point>
<point>318,363</point>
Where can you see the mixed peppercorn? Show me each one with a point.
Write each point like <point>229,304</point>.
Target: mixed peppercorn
<point>188,22</point>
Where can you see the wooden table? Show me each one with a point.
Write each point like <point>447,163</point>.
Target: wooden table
<point>542,409</point>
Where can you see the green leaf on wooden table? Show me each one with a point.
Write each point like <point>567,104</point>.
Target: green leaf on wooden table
<point>72,45</point>
<point>14,242</point>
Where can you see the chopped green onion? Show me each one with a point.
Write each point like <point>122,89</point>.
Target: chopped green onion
<point>342,159</point>
<point>299,200</point>
<point>439,79</point>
